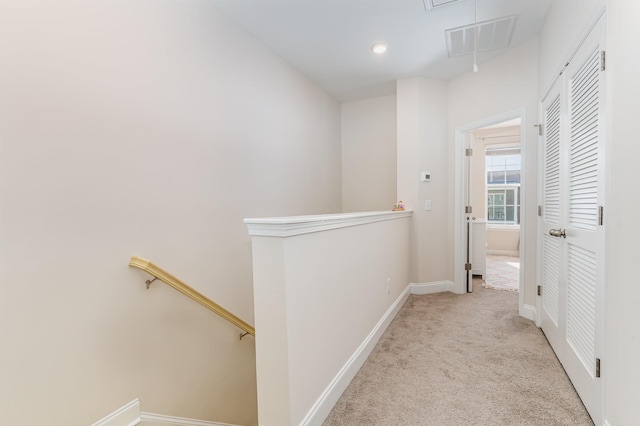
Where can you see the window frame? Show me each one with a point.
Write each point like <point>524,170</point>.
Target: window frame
<point>517,187</point>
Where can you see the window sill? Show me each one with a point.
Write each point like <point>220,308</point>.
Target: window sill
<point>496,227</point>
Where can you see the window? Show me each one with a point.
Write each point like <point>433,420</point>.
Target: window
<point>503,185</point>
<point>503,206</point>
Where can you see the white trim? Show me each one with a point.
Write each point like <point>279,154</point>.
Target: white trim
<point>127,415</point>
<point>528,312</point>
<point>323,406</point>
<point>175,421</point>
<point>297,225</point>
<point>432,287</point>
<point>514,253</point>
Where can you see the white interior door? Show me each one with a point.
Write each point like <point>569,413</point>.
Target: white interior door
<point>552,321</point>
<point>583,249</point>
<point>572,225</point>
<point>469,213</point>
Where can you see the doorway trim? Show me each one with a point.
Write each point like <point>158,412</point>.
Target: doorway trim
<point>461,133</point>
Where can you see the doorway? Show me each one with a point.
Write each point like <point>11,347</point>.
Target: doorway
<point>463,245</point>
<point>496,196</point>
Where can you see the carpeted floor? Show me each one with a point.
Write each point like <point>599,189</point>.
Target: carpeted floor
<point>461,360</point>
<point>503,273</point>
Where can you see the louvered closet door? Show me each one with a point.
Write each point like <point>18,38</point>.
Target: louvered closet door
<point>572,238</point>
<point>551,321</point>
<point>583,248</point>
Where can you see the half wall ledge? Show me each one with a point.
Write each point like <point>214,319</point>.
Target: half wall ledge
<point>325,288</point>
<point>297,225</point>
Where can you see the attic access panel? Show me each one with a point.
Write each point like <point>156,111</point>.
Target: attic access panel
<point>492,35</point>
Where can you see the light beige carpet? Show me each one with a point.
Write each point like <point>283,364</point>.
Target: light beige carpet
<point>461,360</point>
<point>503,273</point>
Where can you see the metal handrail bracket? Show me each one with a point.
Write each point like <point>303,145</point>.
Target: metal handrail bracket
<point>170,280</point>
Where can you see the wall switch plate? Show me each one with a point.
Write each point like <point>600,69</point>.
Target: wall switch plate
<point>427,205</point>
<point>425,176</point>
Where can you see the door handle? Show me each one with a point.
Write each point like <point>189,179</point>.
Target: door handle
<point>558,233</point>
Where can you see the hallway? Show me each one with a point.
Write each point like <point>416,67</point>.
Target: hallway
<point>461,360</point>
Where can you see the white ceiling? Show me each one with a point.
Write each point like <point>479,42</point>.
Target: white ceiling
<point>330,40</point>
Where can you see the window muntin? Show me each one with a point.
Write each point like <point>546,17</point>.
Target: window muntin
<point>503,205</point>
<point>503,185</point>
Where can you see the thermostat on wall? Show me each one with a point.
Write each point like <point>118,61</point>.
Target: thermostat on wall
<point>425,176</point>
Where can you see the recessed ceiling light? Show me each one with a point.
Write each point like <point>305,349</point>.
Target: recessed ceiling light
<point>379,48</point>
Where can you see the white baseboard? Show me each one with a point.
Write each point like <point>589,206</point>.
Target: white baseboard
<point>514,253</point>
<point>130,415</point>
<point>127,415</point>
<point>151,419</point>
<point>322,407</point>
<point>433,287</point>
<point>528,312</point>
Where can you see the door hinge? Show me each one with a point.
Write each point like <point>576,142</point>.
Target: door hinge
<point>467,266</point>
<point>539,126</point>
<point>597,367</point>
<point>600,215</point>
<point>540,211</point>
<point>603,61</point>
<point>468,152</point>
<point>468,209</point>
<point>539,290</point>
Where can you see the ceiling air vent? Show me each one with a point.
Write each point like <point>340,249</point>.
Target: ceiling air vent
<point>492,35</point>
<point>433,4</point>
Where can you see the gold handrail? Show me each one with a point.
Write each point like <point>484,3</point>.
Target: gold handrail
<point>183,288</point>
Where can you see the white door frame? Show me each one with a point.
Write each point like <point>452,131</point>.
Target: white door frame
<point>460,243</point>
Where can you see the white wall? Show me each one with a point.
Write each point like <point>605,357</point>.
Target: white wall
<point>503,241</point>
<point>428,113</point>
<point>563,28</point>
<point>149,128</point>
<point>317,305</point>
<point>422,146</point>
<point>369,154</point>
<point>502,85</point>
<point>621,370</point>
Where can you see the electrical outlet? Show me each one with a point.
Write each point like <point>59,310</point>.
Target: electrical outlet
<point>388,285</point>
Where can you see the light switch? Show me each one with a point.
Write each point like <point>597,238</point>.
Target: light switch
<point>427,205</point>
